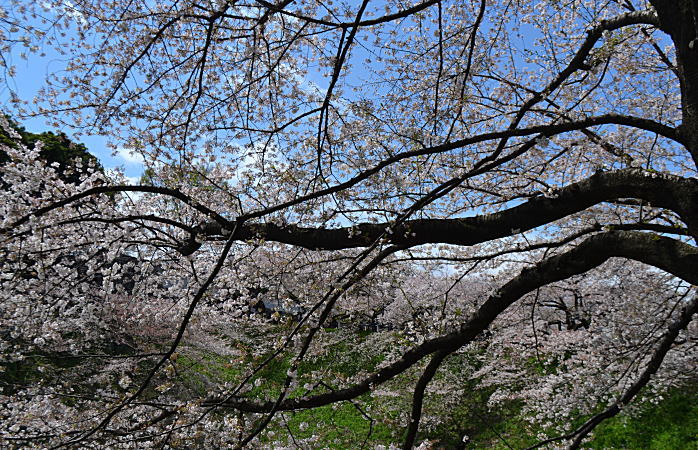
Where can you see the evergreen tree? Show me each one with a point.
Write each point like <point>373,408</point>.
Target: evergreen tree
<point>57,147</point>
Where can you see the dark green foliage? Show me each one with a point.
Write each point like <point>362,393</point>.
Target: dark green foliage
<point>56,148</point>
<point>33,370</point>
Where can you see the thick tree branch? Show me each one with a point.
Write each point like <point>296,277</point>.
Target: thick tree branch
<point>675,193</point>
<point>667,254</point>
<point>678,19</point>
<point>401,14</point>
<point>222,223</point>
<point>418,397</point>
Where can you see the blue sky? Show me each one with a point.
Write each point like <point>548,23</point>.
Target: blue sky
<point>30,75</point>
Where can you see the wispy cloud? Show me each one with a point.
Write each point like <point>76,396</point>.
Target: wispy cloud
<point>133,180</point>
<point>129,156</point>
<point>67,8</point>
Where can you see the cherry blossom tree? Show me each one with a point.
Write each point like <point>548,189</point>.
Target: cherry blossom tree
<point>516,179</point>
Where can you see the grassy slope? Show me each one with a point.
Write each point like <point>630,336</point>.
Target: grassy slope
<point>380,418</point>
<point>372,420</point>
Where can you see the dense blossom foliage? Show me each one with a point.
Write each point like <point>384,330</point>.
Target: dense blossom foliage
<point>510,181</point>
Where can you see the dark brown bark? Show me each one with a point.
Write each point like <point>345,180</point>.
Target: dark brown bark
<point>675,193</point>
<point>679,19</point>
<point>418,398</point>
<point>665,344</point>
<point>664,253</point>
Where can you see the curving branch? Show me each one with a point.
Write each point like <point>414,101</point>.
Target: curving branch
<point>667,254</point>
<point>546,130</point>
<point>174,193</point>
<point>401,14</point>
<point>675,193</point>
<point>578,435</point>
<point>418,397</point>
<point>578,62</point>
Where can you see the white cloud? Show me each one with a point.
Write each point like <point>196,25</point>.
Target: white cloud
<point>133,180</point>
<point>129,156</point>
<point>66,7</point>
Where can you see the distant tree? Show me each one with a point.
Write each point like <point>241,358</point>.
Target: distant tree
<point>55,148</point>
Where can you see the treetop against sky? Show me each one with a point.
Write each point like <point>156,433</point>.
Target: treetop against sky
<point>510,180</point>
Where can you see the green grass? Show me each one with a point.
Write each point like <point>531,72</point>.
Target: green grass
<point>338,427</point>
<point>671,424</point>
<point>194,369</point>
<point>371,419</point>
